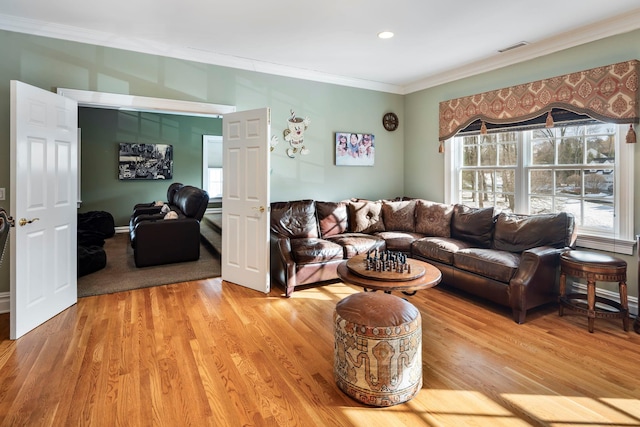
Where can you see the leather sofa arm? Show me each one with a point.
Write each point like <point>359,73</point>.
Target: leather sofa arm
<point>137,220</point>
<point>148,217</point>
<point>145,210</point>
<point>282,263</point>
<point>166,241</point>
<point>535,282</point>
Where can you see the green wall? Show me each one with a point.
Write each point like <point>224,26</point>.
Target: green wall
<point>102,130</point>
<point>50,63</point>
<point>423,163</point>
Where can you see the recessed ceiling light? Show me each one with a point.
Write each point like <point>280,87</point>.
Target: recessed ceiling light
<point>385,34</point>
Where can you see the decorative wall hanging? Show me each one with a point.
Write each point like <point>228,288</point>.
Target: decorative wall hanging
<point>145,161</point>
<point>608,93</point>
<point>274,141</point>
<point>355,149</point>
<point>294,135</point>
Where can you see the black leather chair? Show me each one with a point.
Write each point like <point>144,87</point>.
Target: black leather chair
<point>152,208</point>
<point>157,240</point>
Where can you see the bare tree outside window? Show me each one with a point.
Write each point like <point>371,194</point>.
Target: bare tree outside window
<point>566,168</point>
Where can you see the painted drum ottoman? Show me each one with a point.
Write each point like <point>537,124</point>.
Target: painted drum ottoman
<point>378,348</point>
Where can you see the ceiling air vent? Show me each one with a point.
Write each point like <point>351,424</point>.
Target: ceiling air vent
<point>515,46</point>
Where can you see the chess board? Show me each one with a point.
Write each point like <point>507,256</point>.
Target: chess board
<point>358,265</point>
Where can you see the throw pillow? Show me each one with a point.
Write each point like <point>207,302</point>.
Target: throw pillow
<point>333,218</point>
<point>295,219</point>
<point>517,233</point>
<point>364,217</point>
<point>433,219</point>
<point>473,225</point>
<point>399,215</point>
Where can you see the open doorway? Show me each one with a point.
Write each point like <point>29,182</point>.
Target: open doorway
<point>122,118</point>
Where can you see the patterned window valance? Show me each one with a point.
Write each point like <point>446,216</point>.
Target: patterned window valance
<point>607,93</point>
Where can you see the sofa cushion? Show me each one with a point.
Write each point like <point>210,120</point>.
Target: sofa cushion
<point>433,219</point>
<point>491,263</point>
<point>399,215</point>
<point>295,219</point>
<point>314,250</point>
<point>365,217</point>
<point>517,233</point>
<point>399,240</point>
<point>332,217</point>
<point>357,243</point>
<point>474,225</point>
<point>438,248</point>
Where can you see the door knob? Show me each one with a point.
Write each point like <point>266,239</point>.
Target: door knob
<point>260,209</point>
<point>24,221</point>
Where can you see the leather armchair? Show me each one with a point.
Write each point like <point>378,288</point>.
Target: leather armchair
<point>152,208</point>
<point>156,240</point>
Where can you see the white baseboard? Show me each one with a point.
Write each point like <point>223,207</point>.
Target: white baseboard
<point>5,302</point>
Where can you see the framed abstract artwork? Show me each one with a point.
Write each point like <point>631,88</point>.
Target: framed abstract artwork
<point>355,149</point>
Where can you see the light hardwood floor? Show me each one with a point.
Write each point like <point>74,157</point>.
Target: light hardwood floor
<point>209,353</point>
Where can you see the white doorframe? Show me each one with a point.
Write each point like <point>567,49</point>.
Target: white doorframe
<point>86,98</point>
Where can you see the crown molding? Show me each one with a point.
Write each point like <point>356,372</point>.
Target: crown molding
<point>610,27</point>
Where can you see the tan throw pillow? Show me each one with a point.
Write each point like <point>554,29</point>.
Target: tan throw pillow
<point>399,215</point>
<point>365,217</point>
<point>433,219</point>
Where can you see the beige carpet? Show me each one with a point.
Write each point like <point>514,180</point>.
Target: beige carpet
<point>121,274</point>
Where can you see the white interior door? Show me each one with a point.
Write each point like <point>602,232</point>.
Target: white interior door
<point>44,171</point>
<point>245,198</point>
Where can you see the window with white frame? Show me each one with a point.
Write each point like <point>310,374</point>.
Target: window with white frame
<point>212,166</point>
<point>584,168</point>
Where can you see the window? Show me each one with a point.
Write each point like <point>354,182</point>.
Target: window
<point>215,183</point>
<point>212,166</point>
<point>584,168</point>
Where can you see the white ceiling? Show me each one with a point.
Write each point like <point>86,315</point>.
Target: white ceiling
<point>333,40</point>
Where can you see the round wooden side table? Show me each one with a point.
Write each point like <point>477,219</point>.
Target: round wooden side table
<point>593,267</point>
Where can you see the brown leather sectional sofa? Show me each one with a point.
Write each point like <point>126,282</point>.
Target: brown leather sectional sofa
<point>506,258</point>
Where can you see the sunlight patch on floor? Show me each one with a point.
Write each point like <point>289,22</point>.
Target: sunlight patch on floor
<point>448,408</point>
<point>628,406</point>
<point>472,408</point>
<point>573,410</point>
<point>326,292</point>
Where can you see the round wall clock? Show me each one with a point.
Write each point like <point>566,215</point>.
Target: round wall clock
<point>390,121</point>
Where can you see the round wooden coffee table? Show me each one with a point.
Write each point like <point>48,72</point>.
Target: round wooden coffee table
<point>422,276</point>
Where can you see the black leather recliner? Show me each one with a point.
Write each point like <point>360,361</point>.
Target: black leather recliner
<point>153,208</point>
<point>156,240</point>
